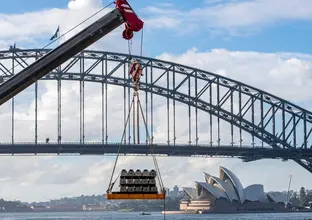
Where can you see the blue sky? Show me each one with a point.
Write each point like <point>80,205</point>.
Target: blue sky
<point>272,38</point>
<point>20,6</point>
<point>242,39</point>
<point>284,35</point>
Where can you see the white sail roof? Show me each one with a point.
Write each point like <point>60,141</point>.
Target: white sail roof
<point>215,191</point>
<point>191,192</point>
<point>254,193</point>
<point>238,187</point>
<point>226,187</point>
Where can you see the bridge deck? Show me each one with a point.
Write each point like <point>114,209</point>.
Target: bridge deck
<point>244,152</point>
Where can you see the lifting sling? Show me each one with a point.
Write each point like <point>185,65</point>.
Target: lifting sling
<point>138,110</point>
<point>135,71</point>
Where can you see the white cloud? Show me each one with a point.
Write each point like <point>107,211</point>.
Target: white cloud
<point>32,178</point>
<point>35,28</point>
<point>237,17</point>
<point>271,72</point>
<point>82,4</point>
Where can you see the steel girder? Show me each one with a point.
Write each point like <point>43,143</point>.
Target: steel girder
<point>266,117</point>
<point>179,150</point>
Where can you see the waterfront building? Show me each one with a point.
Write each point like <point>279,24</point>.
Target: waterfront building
<point>226,194</point>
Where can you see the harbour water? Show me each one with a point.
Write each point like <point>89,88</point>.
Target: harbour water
<point>153,216</point>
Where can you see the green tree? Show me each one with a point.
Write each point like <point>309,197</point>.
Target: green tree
<point>307,199</point>
<point>294,199</point>
<point>302,195</point>
<point>295,195</point>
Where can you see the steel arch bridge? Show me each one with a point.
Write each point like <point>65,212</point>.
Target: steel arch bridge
<point>270,122</point>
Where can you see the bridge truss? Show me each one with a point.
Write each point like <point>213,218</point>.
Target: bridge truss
<point>220,111</point>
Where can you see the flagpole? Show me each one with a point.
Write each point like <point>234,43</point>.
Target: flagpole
<point>59,93</point>
<point>58,42</point>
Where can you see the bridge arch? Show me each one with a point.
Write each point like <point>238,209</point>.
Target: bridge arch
<point>275,121</point>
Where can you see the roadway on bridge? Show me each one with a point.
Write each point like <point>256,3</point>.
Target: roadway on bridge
<point>247,153</point>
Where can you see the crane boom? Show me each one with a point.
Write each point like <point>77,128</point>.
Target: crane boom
<point>122,14</point>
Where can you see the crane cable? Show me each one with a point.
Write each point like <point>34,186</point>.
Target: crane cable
<point>130,47</point>
<point>151,147</point>
<point>146,128</point>
<point>154,157</point>
<point>150,140</point>
<point>142,32</point>
<point>110,185</point>
<point>153,153</point>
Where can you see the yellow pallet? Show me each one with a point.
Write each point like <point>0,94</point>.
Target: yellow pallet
<point>134,196</point>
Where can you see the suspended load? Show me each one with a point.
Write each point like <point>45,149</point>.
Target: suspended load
<point>137,185</point>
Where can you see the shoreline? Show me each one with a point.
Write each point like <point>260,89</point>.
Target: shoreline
<point>166,212</point>
<point>235,212</point>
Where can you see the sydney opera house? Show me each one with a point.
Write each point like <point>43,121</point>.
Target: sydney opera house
<point>226,194</point>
